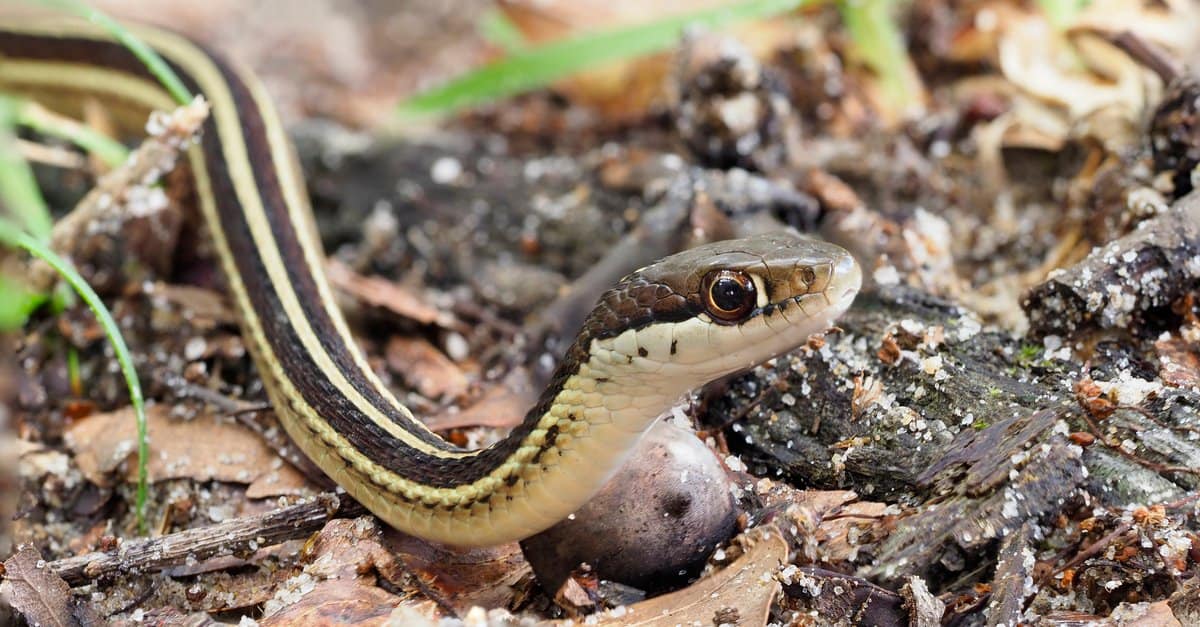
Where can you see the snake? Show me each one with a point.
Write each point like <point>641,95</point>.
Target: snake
<point>660,332</point>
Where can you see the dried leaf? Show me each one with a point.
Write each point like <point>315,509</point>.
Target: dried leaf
<point>337,586</point>
<point>41,596</point>
<point>282,481</point>
<point>462,578</point>
<point>424,367</point>
<point>501,405</point>
<point>203,308</point>
<point>1157,614</point>
<point>391,296</point>
<point>203,448</point>
<point>826,516</point>
<point>742,593</point>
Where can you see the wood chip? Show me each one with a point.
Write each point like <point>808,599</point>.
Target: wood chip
<point>924,609</point>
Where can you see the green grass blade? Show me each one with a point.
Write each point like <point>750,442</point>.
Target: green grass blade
<point>541,65</point>
<point>1062,13</point>
<point>498,30</point>
<point>16,303</point>
<point>12,235</point>
<point>879,43</point>
<point>143,52</point>
<point>109,150</point>
<point>18,189</point>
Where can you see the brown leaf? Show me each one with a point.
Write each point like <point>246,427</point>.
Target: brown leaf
<point>741,593</point>
<point>391,296</point>
<point>337,586</point>
<point>424,367</point>
<point>827,516</point>
<point>41,596</point>
<point>461,578</point>
<point>501,405</point>
<point>203,308</point>
<point>282,481</point>
<point>203,448</point>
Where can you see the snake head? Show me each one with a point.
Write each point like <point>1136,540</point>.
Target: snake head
<point>720,308</point>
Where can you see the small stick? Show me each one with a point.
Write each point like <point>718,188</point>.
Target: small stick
<point>1149,54</point>
<point>233,536</point>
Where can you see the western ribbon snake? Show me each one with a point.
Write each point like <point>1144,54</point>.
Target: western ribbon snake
<point>663,330</point>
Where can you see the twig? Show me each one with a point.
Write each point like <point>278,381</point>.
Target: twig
<point>237,535</point>
<point>1149,54</point>
<point>1091,551</point>
<point>156,155</point>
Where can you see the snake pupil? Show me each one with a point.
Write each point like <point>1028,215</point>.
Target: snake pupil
<point>727,294</point>
<point>730,295</point>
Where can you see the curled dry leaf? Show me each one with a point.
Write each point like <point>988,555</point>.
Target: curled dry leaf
<point>825,518</point>
<point>741,593</point>
<point>204,448</point>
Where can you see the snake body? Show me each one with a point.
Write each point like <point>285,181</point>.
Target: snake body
<point>663,330</point>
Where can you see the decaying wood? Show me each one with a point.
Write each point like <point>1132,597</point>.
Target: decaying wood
<point>1122,282</point>
<point>1013,569</point>
<point>974,427</point>
<point>842,598</point>
<point>125,192</point>
<point>234,536</point>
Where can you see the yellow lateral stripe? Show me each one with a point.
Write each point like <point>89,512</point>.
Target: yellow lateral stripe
<point>241,172</point>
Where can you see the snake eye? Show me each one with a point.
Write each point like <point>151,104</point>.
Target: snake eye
<point>729,295</point>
